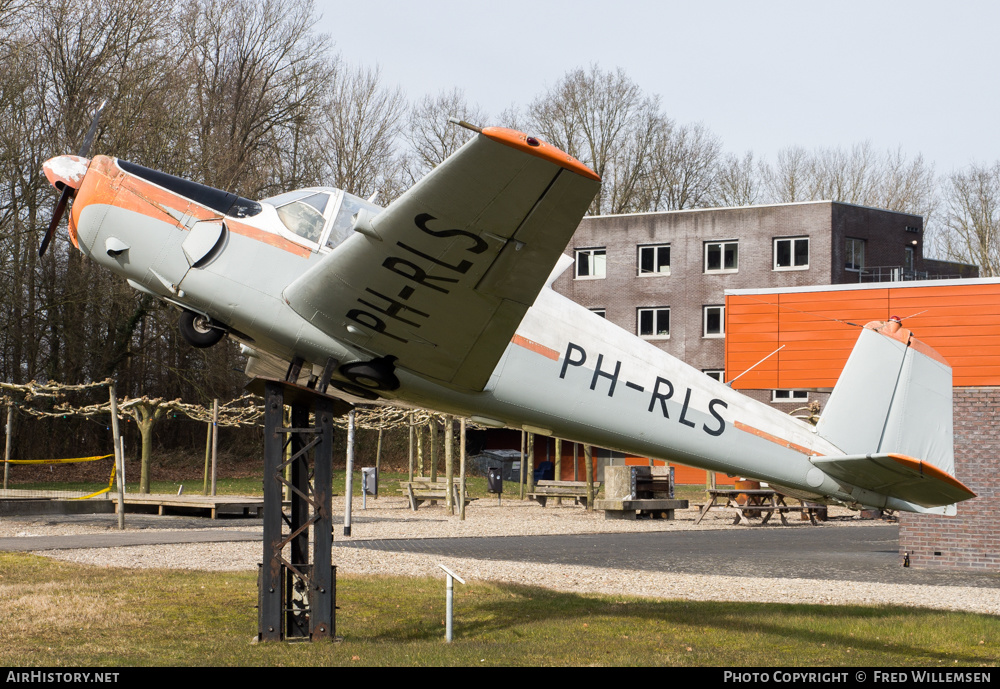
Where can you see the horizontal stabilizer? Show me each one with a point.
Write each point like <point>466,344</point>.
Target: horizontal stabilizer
<point>897,475</point>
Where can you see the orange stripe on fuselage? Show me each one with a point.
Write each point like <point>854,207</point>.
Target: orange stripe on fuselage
<point>772,438</point>
<point>106,183</point>
<point>535,347</point>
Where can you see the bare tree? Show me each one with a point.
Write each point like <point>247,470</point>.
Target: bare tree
<point>682,168</point>
<point>788,180</point>
<point>604,120</point>
<point>860,175</point>
<point>431,137</point>
<point>361,122</point>
<point>256,68</point>
<point>972,217</point>
<point>738,181</point>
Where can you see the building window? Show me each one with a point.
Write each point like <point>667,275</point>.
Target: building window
<point>654,323</point>
<point>855,254</point>
<point>716,373</point>
<point>722,257</point>
<point>591,264</point>
<point>654,260</point>
<point>603,313</point>
<point>908,260</point>
<point>791,253</point>
<point>789,395</point>
<point>714,321</point>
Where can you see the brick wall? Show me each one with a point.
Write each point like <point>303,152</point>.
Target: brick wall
<point>688,288</point>
<point>971,539</point>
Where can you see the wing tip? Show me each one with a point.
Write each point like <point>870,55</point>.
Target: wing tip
<point>539,149</point>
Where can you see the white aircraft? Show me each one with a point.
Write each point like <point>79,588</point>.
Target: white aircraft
<point>442,300</point>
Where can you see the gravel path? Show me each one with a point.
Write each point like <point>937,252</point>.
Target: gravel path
<point>391,518</point>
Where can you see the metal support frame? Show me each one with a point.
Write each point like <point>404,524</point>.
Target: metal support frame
<point>297,598</point>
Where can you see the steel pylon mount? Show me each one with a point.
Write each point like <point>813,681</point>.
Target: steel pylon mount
<point>296,596</point>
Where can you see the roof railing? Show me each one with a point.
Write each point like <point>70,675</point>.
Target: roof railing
<point>899,274</point>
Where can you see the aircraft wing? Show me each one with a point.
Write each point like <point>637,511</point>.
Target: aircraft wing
<point>442,277</point>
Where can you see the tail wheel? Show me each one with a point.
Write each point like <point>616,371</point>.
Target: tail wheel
<point>376,374</point>
<point>198,331</point>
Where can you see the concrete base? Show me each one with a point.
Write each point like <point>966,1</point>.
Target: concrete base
<point>656,508</point>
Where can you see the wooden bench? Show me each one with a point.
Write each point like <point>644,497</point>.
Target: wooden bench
<point>577,490</point>
<point>421,490</point>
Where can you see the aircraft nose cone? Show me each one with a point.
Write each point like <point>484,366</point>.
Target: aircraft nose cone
<point>66,171</point>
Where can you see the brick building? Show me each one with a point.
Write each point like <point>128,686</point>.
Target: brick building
<point>958,318</point>
<point>663,275</point>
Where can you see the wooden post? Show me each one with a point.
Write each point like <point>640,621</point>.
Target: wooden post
<point>449,463</point>
<point>378,453</point>
<point>432,429</point>
<point>411,446</point>
<point>215,439</point>
<point>208,457</point>
<point>588,465</point>
<point>521,482</point>
<point>461,472</point>
<point>119,456</point>
<point>558,468</point>
<point>530,441</point>
<point>6,451</point>
<point>420,450</point>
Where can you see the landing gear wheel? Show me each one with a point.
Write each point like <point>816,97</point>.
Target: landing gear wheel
<point>376,374</point>
<point>198,331</point>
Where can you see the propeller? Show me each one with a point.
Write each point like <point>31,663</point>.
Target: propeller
<point>68,192</point>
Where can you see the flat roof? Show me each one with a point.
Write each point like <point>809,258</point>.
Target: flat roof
<point>743,208</point>
<point>900,284</point>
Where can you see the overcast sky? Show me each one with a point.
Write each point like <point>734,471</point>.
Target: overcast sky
<point>761,74</point>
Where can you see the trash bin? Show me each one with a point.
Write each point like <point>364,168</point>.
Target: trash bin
<point>494,480</point>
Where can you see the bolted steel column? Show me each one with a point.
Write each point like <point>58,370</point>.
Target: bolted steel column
<point>323,600</point>
<point>270,584</point>
<point>297,597</point>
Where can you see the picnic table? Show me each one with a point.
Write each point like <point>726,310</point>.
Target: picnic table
<point>575,490</point>
<point>421,490</point>
<point>760,502</point>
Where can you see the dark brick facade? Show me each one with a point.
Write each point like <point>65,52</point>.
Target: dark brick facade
<point>689,287</point>
<point>970,539</point>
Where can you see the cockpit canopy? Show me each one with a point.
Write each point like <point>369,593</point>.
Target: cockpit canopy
<point>322,216</point>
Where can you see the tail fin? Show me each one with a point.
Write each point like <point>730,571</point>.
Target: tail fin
<point>891,416</point>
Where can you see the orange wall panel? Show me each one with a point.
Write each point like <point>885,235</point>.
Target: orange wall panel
<point>819,329</point>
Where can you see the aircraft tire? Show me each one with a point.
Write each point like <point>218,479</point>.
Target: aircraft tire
<point>355,390</point>
<point>376,374</point>
<point>197,331</point>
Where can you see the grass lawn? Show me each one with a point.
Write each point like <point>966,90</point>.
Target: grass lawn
<point>60,614</point>
<point>252,485</point>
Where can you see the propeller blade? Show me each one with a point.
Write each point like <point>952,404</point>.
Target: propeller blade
<point>56,217</point>
<point>89,139</point>
<point>67,191</point>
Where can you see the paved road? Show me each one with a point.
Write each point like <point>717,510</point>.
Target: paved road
<point>143,529</point>
<point>868,553</point>
<point>849,553</point>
